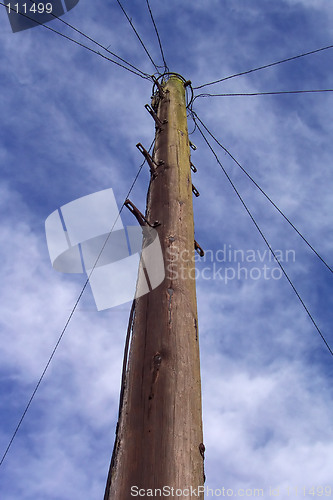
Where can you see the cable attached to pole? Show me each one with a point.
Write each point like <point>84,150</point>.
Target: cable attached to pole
<point>265,66</point>
<point>266,242</point>
<point>97,43</point>
<point>166,69</point>
<point>68,321</point>
<point>263,192</point>
<point>82,45</point>
<point>264,93</point>
<point>121,396</point>
<point>138,36</point>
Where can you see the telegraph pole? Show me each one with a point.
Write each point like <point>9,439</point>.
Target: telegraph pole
<point>159,433</point>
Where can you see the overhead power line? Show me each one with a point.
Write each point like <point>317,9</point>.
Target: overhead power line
<point>265,66</point>
<point>142,75</point>
<point>123,383</point>
<point>95,42</point>
<point>266,241</point>
<point>137,34</point>
<point>263,192</point>
<point>68,321</point>
<point>166,69</point>
<point>264,93</point>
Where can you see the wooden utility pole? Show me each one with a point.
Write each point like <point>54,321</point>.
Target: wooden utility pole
<point>159,436</point>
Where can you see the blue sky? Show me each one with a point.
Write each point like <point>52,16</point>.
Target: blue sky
<point>70,121</point>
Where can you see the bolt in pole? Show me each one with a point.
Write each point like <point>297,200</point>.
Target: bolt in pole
<point>159,436</point>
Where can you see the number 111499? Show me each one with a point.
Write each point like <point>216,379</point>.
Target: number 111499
<point>36,8</point>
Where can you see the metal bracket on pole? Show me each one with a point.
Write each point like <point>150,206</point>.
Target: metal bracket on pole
<point>195,191</point>
<point>158,85</point>
<point>193,146</point>
<point>138,215</point>
<point>198,248</point>
<point>150,161</point>
<point>158,122</point>
<point>193,168</point>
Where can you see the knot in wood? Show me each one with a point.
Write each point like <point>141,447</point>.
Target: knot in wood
<point>157,360</point>
<point>202,449</point>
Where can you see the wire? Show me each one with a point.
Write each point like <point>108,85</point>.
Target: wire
<point>122,391</point>
<point>68,321</point>
<point>266,242</point>
<point>194,129</point>
<point>97,43</point>
<point>263,192</point>
<point>137,34</point>
<point>166,69</point>
<point>80,44</point>
<point>264,93</point>
<point>265,66</point>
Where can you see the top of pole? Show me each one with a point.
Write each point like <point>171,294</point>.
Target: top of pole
<point>162,79</point>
